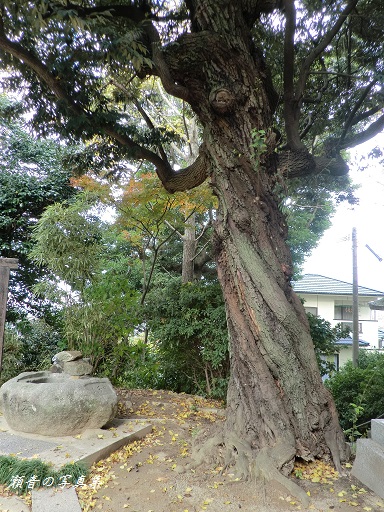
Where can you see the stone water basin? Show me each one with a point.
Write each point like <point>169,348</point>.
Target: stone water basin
<point>57,404</point>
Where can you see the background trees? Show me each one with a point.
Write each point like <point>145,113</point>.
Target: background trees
<point>32,176</point>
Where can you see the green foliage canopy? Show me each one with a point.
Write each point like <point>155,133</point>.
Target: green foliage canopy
<point>32,177</point>
<point>80,63</point>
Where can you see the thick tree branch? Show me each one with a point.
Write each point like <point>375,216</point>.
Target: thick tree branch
<point>162,68</point>
<point>368,113</point>
<point>172,181</point>
<point>294,164</point>
<point>350,121</point>
<point>142,16</point>
<point>44,74</point>
<point>318,50</point>
<point>189,177</point>
<point>373,129</point>
<point>61,94</point>
<point>291,107</point>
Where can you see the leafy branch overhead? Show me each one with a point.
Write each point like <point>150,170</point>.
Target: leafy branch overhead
<point>79,54</point>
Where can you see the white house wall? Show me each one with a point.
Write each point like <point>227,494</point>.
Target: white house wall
<point>345,354</point>
<point>325,306</point>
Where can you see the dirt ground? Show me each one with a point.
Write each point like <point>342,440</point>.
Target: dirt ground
<point>147,476</point>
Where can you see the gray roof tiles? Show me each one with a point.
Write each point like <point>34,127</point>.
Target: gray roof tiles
<point>314,283</point>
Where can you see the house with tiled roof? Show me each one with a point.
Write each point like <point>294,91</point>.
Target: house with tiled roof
<point>332,300</point>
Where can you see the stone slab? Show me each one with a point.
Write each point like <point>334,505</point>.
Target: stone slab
<point>89,447</point>
<point>13,504</point>
<point>16,445</point>
<point>369,465</point>
<point>55,500</point>
<point>377,431</point>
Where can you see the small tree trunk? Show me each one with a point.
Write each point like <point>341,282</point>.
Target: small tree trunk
<point>189,250</point>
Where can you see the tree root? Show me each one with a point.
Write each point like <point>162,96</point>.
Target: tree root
<point>331,438</point>
<point>335,440</point>
<point>268,465</point>
<point>265,466</point>
<point>206,451</point>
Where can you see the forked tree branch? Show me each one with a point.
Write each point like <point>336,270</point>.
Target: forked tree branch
<point>350,121</point>
<point>172,181</point>
<point>319,49</point>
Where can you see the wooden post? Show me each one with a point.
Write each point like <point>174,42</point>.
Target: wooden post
<point>6,264</point>
<point>355,307</point>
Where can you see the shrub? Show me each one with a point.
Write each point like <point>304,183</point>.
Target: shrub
<point>29,346</point>
<point>132,364</point>
<point>359,387</point>
<point>188,328</point>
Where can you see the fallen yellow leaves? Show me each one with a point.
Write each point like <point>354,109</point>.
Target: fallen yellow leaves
<point>151,459</point>
<point>206,503</point>
<point>216,485</point>
<point>316,472</point>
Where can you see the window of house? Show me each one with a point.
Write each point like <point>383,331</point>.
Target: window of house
<point>335,361</point>
<point>311,310</point>
<point>343,313</point>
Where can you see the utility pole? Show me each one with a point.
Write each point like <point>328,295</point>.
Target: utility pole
<point>6,264</point>
<point>355,306</point>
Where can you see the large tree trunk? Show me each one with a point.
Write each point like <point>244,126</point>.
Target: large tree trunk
<point>276,398</point>
<point>278,407</point>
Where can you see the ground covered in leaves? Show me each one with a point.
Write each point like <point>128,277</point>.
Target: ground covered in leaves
<point>146,476</point>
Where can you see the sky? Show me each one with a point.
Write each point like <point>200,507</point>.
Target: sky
<point>333,256</point>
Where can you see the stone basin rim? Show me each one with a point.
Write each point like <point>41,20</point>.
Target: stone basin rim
<point>54,378</point>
